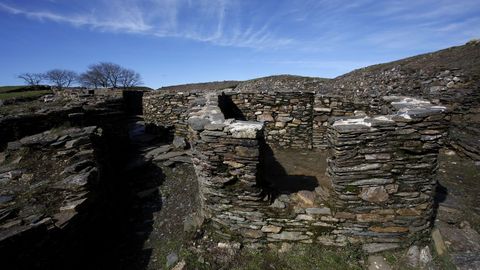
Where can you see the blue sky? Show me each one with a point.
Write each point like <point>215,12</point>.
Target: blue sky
<point>183,41</point>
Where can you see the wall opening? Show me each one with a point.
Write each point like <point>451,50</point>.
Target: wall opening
<point>229,108</point>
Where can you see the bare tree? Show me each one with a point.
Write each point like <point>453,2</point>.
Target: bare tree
<point>61,78</point>
<point>92,79</point>
<point>130,78</point>
<point>32,79</point>
<point>107,74</point>
<point>112,72</point>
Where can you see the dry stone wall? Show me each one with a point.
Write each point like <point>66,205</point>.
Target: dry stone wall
<point>293,119</point>
<point>49,185</point>
<point>287,115</point>
<point>382,169</point>
<point>169,109</point>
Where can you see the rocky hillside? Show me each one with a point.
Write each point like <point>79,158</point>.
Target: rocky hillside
<point>201,86</point>
<point>450,75</point>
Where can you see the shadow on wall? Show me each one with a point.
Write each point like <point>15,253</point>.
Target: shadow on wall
<point>229,109</point>
<point>133,102</point>
<point>441,193</point>
<point>275,180</point>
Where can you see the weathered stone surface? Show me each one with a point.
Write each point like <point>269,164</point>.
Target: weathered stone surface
<point>393,229</point>
<point>182,265</point>
<point>374,194</point>
<point>271,229</point>
<point>379,247</point>
<point>197,123</point>
<point>425,259</point>
<point>289,236</point>
<point>306,197</point>
<point>179,142</point>
<point>412,256</point>
<point>318,211</point>
<point>278,204</point>
<point>265,117</point>
<point>246,151</point>
<point>168,155</point>
<point>172,258</point>
<point>374,217</point>
<point>157,151</point>
<point>378,263</point>
<point>438,242</point>
<point>252,233</point>
<point>245,129</point>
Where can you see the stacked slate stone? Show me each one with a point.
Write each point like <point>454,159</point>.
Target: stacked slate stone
<point>47,185</point>
<point>36,118</point>
<point>326,106</point>
<point>383,171</point>
<point>169,109</point>
<point>225,157</point>
<point>287,115</point>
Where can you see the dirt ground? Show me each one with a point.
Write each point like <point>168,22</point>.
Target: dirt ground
<point>291,170</point>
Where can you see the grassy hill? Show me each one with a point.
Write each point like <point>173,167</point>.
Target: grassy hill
<point>23,91</point>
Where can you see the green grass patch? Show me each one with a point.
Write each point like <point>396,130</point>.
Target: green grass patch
<point>6,89</point>
<point>302,256</point>
<point>27,94</point>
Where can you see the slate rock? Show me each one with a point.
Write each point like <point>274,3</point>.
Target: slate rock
<point>379,247</point>
<point>172,258</point>
<point>179,142</point>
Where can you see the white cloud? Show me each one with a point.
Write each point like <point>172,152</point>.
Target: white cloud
<point>213,21</point>
<point>301,25</point>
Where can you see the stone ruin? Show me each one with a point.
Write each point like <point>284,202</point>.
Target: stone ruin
<point>381,167</point>
<point>378,131</point>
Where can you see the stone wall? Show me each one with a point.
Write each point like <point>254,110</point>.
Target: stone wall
<point>287,116</point>
<point>382,169</point>
<point>49,186</point>
<point>292,118</point>
<point>107,113</point>
<point>168,109</point>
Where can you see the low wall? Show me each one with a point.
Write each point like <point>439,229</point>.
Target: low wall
<point>382,170</point>
<point>108,114</point>
<point>168,109</point>
<point>50,186</point>
<point>287,116</point>
<point>292,118</point>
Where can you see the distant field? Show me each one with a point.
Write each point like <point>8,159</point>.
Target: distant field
<point>6,89</point>
<point>24,94</point>
<point>23,91</point>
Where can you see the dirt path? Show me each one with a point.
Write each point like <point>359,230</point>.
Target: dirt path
<point>161,197</point>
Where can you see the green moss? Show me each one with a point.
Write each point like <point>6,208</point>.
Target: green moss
<point>350,188</point>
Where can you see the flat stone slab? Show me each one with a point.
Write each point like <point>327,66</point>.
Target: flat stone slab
<point>157,151</point>
<point>460,240</point>
<point>168,155</point>
<point>245,129</point>
<point>379,247</point>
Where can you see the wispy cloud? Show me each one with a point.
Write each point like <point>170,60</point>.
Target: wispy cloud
<point>213,21</point>
<point>303,25</point>
<point>132,24</point>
